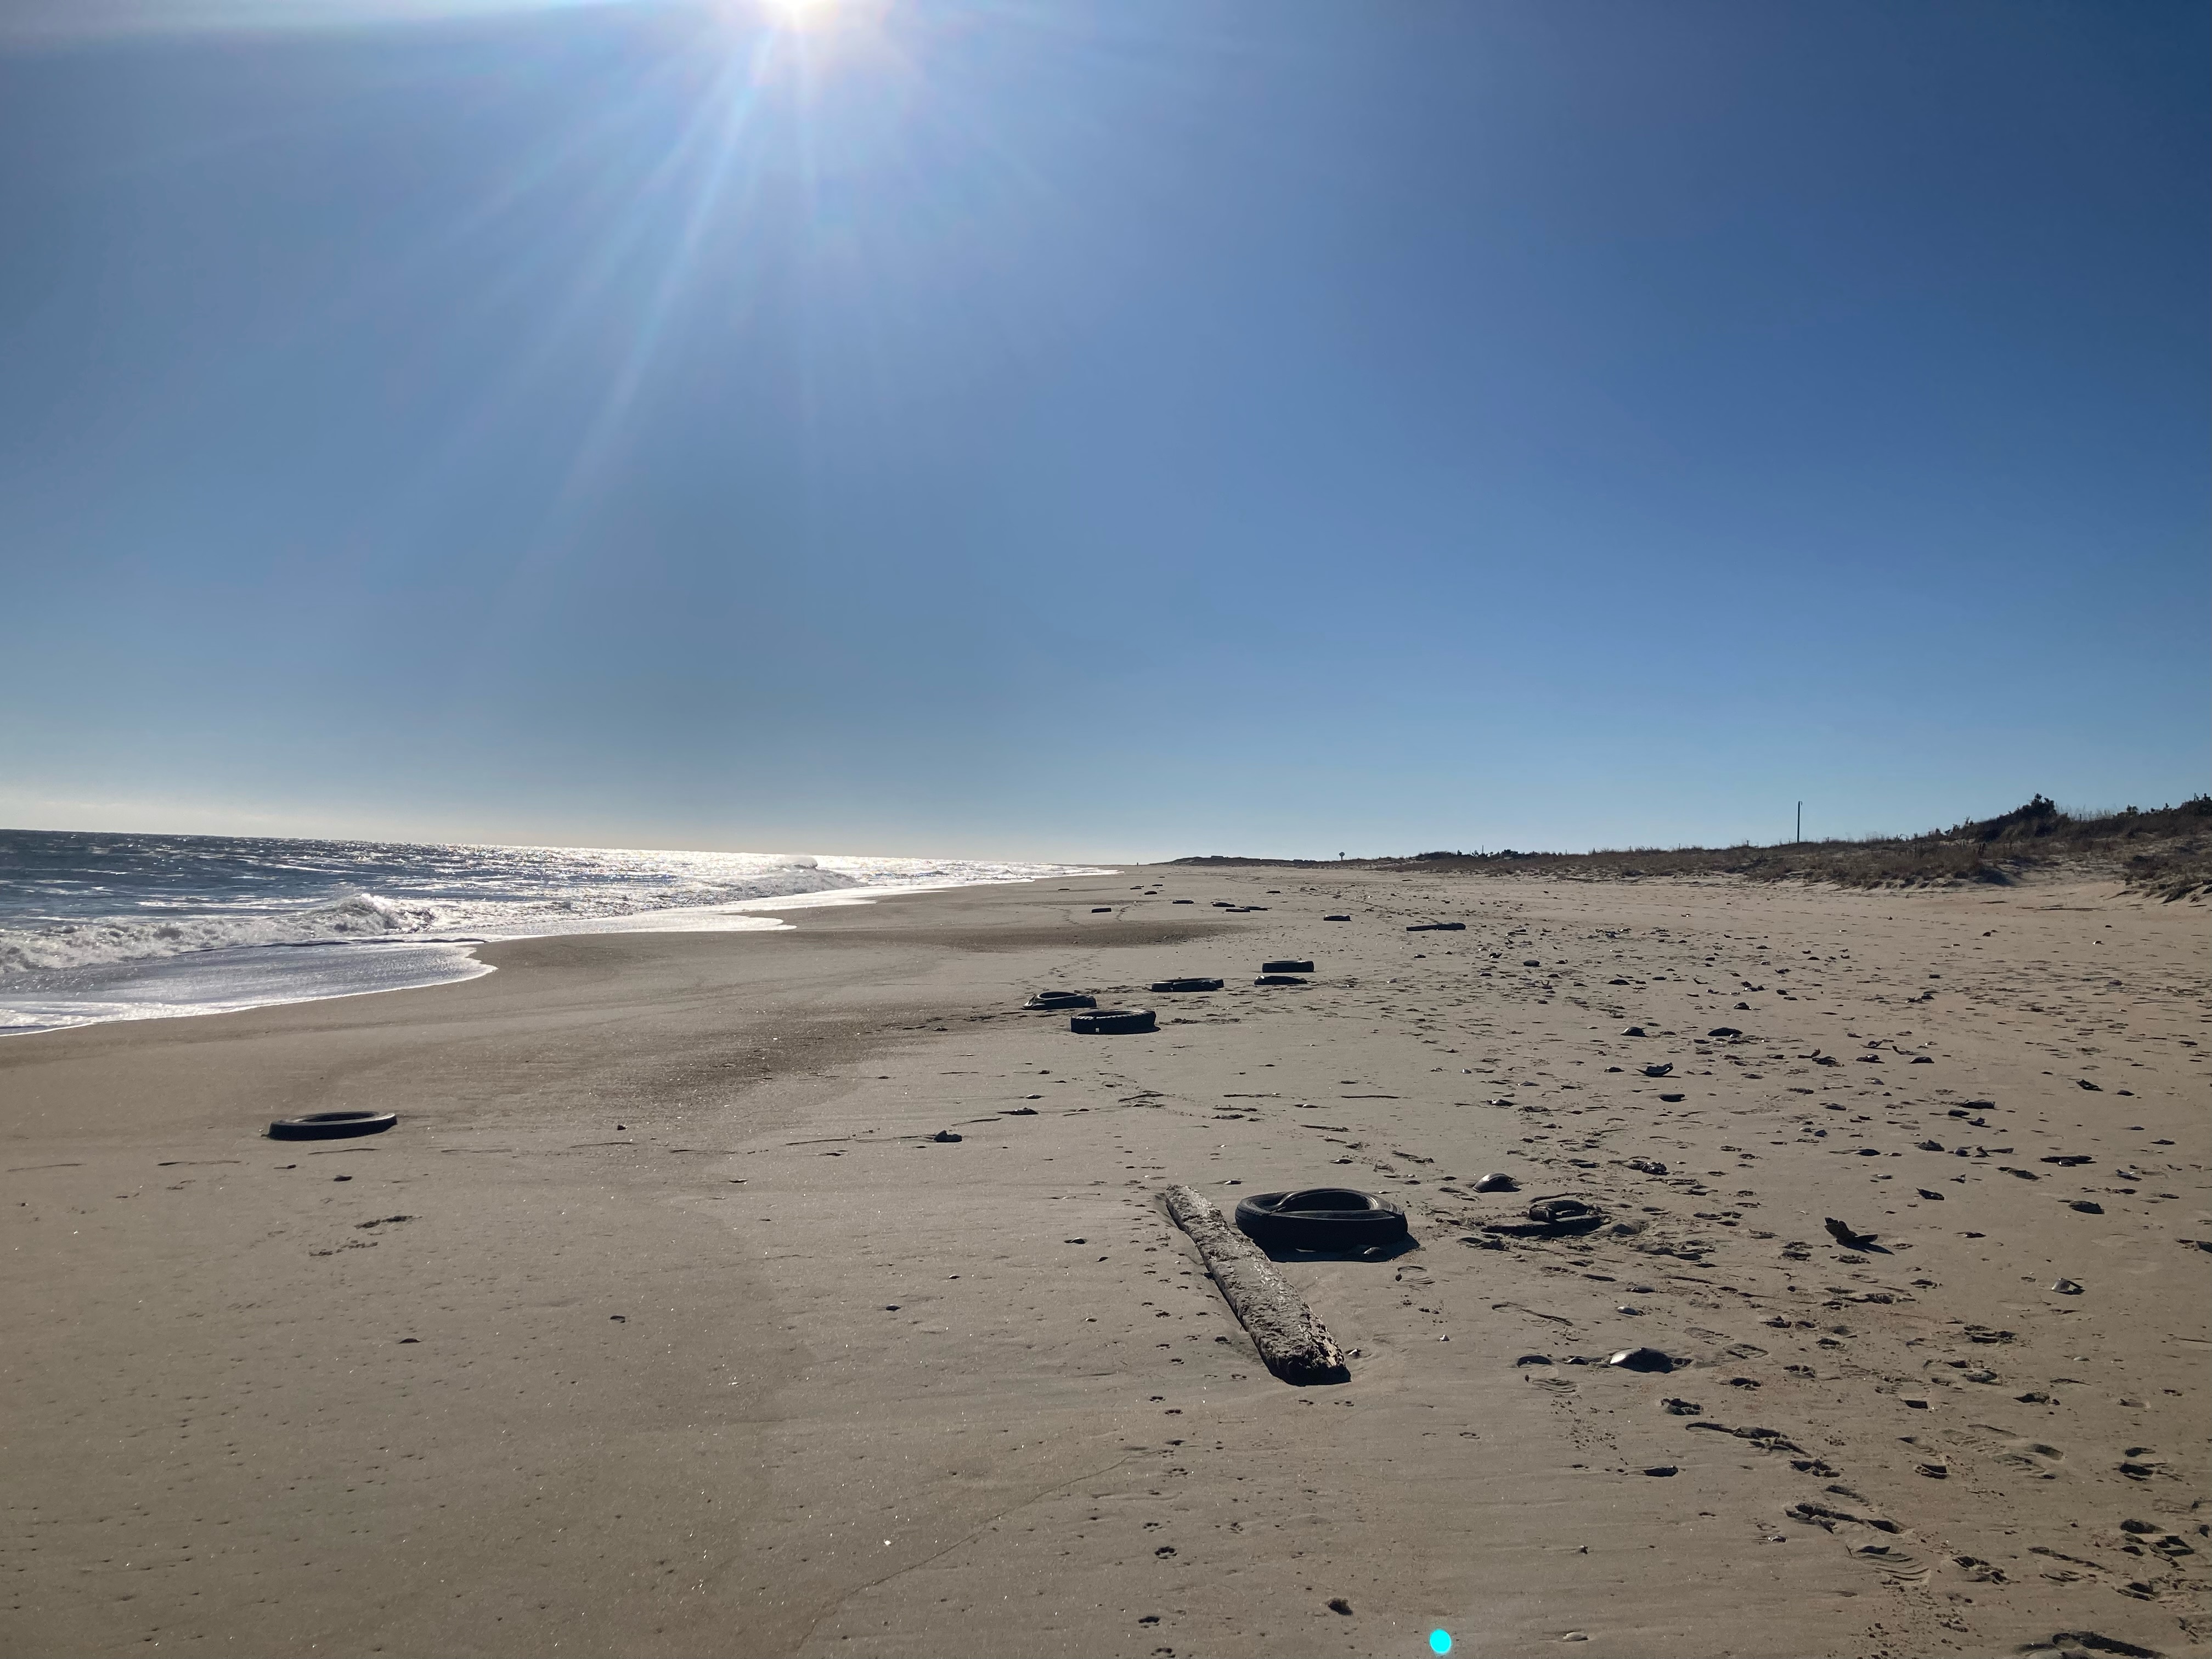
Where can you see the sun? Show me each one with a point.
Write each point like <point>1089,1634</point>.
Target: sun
<point>801,14</point>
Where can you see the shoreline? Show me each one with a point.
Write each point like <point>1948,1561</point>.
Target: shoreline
<point>226,967</point>
<point>647,1330</point>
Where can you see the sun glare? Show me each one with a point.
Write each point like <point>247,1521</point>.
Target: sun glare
<point>801,14</point>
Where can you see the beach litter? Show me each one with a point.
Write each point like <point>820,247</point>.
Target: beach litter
<point>1293,1343</point>
<point>1321,1218</point>
<point>1060,1000</point>
<point>1551,1217</point>
<point>1109,1021</point>
<point>1287,965</point>
<point>1171,985</point>
<point>331,1126</point>
<point>1497,1181</point>
<point>1643,1359</point>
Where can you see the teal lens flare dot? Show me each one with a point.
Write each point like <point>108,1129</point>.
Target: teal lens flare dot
<point>1439,1641</point>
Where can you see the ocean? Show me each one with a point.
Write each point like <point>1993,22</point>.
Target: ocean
<point>97,927</point>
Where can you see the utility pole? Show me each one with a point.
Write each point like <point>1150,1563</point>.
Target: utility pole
<point>1801,821</point>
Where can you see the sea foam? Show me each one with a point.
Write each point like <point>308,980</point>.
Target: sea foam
<point>86,921</point>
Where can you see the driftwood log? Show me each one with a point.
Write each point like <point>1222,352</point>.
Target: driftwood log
<point>1290,1341</point>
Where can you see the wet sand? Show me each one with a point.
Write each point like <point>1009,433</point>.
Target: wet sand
<point>661,1325</point>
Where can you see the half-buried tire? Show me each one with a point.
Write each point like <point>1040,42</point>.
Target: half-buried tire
<point>1188,985</point>
<point>1060,1000</point>
<point>1107,1021</point>
<point>1321,1218</point>
<point>331,1126</point>
<point>1286,966</point>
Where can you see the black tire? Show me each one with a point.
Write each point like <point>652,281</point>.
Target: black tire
<point>1557,1210</point>
<point>331,1126</point>
<point>1279,979</point>
<point>1336,918</point>
<point>1438,927</point>
<point>1286,966</point>
<point>1333,1218</point>
<point>1060,1000</point>
<point>1109,1021</point>
<point>1188,985</point>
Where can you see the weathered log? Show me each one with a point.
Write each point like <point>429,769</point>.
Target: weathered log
<point>1290,1341</point>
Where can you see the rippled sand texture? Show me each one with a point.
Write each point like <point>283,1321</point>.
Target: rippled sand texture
<point>662,1324</point>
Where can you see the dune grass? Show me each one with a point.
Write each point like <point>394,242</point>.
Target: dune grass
<point>2165,851</point>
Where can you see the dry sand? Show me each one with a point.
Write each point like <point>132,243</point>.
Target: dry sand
<point>660,1326</point>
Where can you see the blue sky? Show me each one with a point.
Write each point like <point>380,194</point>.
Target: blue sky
<point>1109,429</point>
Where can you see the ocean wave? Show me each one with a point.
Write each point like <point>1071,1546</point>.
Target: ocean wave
<point>369,917</point>
<point>89,944</point>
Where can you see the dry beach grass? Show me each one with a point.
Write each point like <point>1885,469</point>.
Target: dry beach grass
<point>662,1324</point>
<point>2166,853</point>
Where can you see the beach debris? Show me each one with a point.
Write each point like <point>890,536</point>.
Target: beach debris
<point>2066,1287</point>
<point>1171,985</point>
<point>944,1135</point>
<point>1929,1193</point>
<point>2087,1206</point>
<point>1292,1342</point>
<point>1674,1098</point>
<point>1643,1359</point>
<point>1724,1031</point>
<point>2071,1160</point>
<point>1331,1218</point>
<point>331,1126</point>
<point>1681,1407</point>
<point>1433,926</point>
<point>1636,1031</point>
<point>1336,918</point>
<point>2084,1644</point>
<point>1338,1604</point>
<point>1110,1021</point>
<point>1560,1209</point>
<point>1279,979</point>
<point>1497,1181</point>
<point>1659,1071</point>
<point>1550,1218</point>
<point>1102,909</point>
<point>1847,1235</point>
<point>2093,1088</point>
<point>1287,965</point>
<point>1060,1000</point>
<point>1649,1165</point>
<point>1662,1469</point>
<point>1929,1145</point>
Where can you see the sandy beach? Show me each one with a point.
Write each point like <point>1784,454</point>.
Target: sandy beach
<point>662,1324</point>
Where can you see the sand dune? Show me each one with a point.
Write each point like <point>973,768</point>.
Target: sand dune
<point>662,1323</point>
